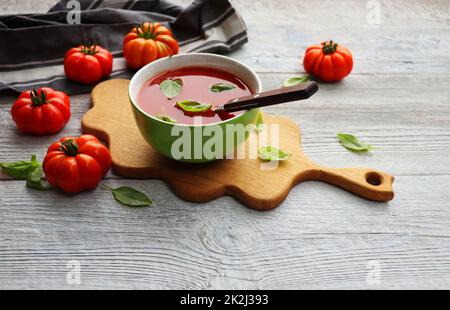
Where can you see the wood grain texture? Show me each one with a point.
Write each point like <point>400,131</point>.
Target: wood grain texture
<point>111,116</point>
<point>320,237</point>
<point>412,36</point>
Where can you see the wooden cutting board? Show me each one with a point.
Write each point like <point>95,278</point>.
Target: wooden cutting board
<point>251,181</point>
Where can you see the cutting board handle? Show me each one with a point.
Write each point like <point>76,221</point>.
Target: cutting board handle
<point>367,183</point>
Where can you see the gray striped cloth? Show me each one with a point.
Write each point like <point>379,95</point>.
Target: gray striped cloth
<point>32,46</point>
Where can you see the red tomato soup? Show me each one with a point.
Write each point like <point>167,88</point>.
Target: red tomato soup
<point>196,86</point>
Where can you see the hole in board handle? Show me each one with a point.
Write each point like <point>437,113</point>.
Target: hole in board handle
<point>374,178</point>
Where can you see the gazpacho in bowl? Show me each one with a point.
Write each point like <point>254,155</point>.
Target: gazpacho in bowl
<point>165,95</point>
<point>173,101</point>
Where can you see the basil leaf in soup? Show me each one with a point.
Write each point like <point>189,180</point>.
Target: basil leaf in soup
<point>220,87</point>
<point>194,106</point>
<point>171,87</point>
<point>166,118</point>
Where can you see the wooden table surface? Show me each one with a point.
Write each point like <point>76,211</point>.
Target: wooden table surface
<point>397,99</point>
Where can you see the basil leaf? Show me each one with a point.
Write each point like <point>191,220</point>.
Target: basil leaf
<point>166,119</point>
<point>352,143</point>
<point>259,123</point>
<point>34,161</point>
<point>130,197</point>
<point>194,106</point>
<point>27,170</point>
<point>20,169</point>
<point>220,87</point>
<point>295,80</point>
<point>269,153</point>
<point>171,87</point>
<point>36,180</point>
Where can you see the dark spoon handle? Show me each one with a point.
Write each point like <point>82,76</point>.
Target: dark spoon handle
<point>272,97</point>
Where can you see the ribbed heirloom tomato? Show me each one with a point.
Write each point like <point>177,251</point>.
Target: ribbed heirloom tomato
<point>76,164</point>
<point>148,42</point>
<point>88,64</point>
<point>42,111</point>
<point>328,61</point>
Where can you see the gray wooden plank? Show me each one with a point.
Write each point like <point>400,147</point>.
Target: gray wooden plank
<point>320,237</point>
<point>412,37</point>
<point>24,6</point>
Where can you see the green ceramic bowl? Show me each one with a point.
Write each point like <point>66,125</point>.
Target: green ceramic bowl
<point>194,143</point>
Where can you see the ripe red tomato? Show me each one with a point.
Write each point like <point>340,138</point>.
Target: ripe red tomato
<point>328,61</point>
<point>76,164</point>
<point>88,64</point>
<point>148,42</point>
<point>40,112</point>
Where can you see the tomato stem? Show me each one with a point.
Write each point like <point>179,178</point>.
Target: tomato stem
<point>329,47</point>
<point>149,33</point>
<point>89,49</point>
<point>69,147</point>
<point>38,97</point>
